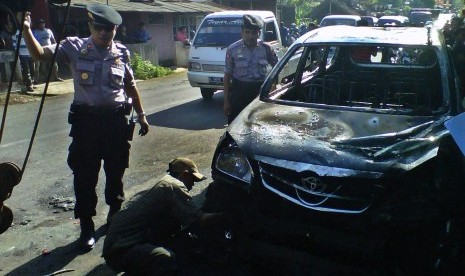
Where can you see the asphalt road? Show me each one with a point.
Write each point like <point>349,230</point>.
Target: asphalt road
<point>42,238</point>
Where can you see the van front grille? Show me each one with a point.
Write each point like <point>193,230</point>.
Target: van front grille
<point>213,68</point>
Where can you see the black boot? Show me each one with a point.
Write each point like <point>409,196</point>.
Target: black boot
<point>87,240</point>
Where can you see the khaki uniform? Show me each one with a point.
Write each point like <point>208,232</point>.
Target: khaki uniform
<point>137,236</point>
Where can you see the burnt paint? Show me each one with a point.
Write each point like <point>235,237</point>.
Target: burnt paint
<point>337,138</point>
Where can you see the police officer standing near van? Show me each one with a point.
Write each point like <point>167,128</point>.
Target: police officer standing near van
<point>103,83</point>
<point>246,67</point>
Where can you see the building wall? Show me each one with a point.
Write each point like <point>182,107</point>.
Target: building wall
<point>161,33</point>
<point>161,27</point>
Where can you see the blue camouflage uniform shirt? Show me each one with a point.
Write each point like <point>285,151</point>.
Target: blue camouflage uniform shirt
<point>249,64</point>
<point>99,74</point>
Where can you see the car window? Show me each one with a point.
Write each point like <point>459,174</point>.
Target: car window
<point>420,17</point>
<point>376,77</point>
<point>220,32</point>
<point>338,21</point>
<point>270,32</point>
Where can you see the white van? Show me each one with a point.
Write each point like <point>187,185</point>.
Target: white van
<point>208,50</point>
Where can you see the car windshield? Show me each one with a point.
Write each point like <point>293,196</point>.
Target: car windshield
<point>219,32</point>
<point>338,21</point>
<point>420,17</point>
<point>405,80</point>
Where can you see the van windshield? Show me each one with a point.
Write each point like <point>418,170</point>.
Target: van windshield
<point>220,32</point>
<point>420,17</point>
<point>338,21</point>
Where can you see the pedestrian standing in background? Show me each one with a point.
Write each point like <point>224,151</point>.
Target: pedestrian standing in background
<point>25,61</point>
<point>103,80</point>
<point>45,37</point>
<point>312,26</point>
<point>122,35</point>
<point>5,45</point>
<point>284,32</point>
<point>303,29</point>
<point>181,35</point>
<point>247,62</point>
<point>141,35</point>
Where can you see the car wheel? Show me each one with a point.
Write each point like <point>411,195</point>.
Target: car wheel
<point>207,93</point>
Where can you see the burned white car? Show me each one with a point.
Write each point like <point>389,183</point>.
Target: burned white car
<point>343,164</point>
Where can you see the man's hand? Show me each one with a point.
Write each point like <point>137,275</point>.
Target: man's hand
<point>27,20</point>
<point>144,126</point>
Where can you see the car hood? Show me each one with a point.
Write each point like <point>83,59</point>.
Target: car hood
<point>348,139</point>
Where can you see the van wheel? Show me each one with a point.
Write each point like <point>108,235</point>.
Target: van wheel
<point>207,93</point>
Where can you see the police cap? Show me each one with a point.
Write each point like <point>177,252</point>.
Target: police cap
<point>103,15</point>
<point>252,22</point>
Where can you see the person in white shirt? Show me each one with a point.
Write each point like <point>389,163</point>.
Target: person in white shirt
<point>26,63</point>
<point>45,37</point>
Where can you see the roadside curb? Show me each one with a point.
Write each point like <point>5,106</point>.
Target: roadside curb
<point>61,87</point>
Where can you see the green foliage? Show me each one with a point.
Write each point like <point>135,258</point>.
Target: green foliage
<point>144,69</point>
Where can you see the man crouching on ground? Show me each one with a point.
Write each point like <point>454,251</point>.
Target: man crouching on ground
<point>139,236</point>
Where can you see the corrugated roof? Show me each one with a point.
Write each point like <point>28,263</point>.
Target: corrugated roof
<point>157,6</point>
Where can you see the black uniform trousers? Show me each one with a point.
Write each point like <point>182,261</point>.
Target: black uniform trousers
<point>241,94</point>
<point>97,135</point>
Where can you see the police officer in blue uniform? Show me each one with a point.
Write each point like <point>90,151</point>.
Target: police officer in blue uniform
<point>103,83</point>
<point>247,61</point>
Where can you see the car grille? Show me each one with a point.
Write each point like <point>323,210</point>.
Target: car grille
<point>213,68</point>
<point>330,194</point>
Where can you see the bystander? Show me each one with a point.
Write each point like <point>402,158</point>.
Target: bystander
<point>25,61</point>
<point>45,37</point>
<point>181,35</point>
<point>141,35</point>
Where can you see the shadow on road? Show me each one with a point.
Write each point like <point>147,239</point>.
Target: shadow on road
<point>56,260</point>
<point>195,115</point>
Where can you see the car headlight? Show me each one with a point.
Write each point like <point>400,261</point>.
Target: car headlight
<point>195,66</point>
<point>232,162</point>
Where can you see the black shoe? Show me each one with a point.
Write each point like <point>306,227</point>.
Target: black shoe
<point>86,239</point>
<point>86,242</point>
<point>30,89</point>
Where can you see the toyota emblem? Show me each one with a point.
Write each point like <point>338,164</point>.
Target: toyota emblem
<point>313,184</point>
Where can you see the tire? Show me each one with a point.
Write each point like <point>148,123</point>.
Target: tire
<point>207,93</point>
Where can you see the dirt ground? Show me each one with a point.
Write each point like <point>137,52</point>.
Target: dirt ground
<point>17,98</point>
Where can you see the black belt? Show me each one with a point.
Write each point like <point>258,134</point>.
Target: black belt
<point>247,83</point>
<point>97,110</point>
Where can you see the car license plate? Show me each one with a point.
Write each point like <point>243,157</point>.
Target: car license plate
<point>215,80</point>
